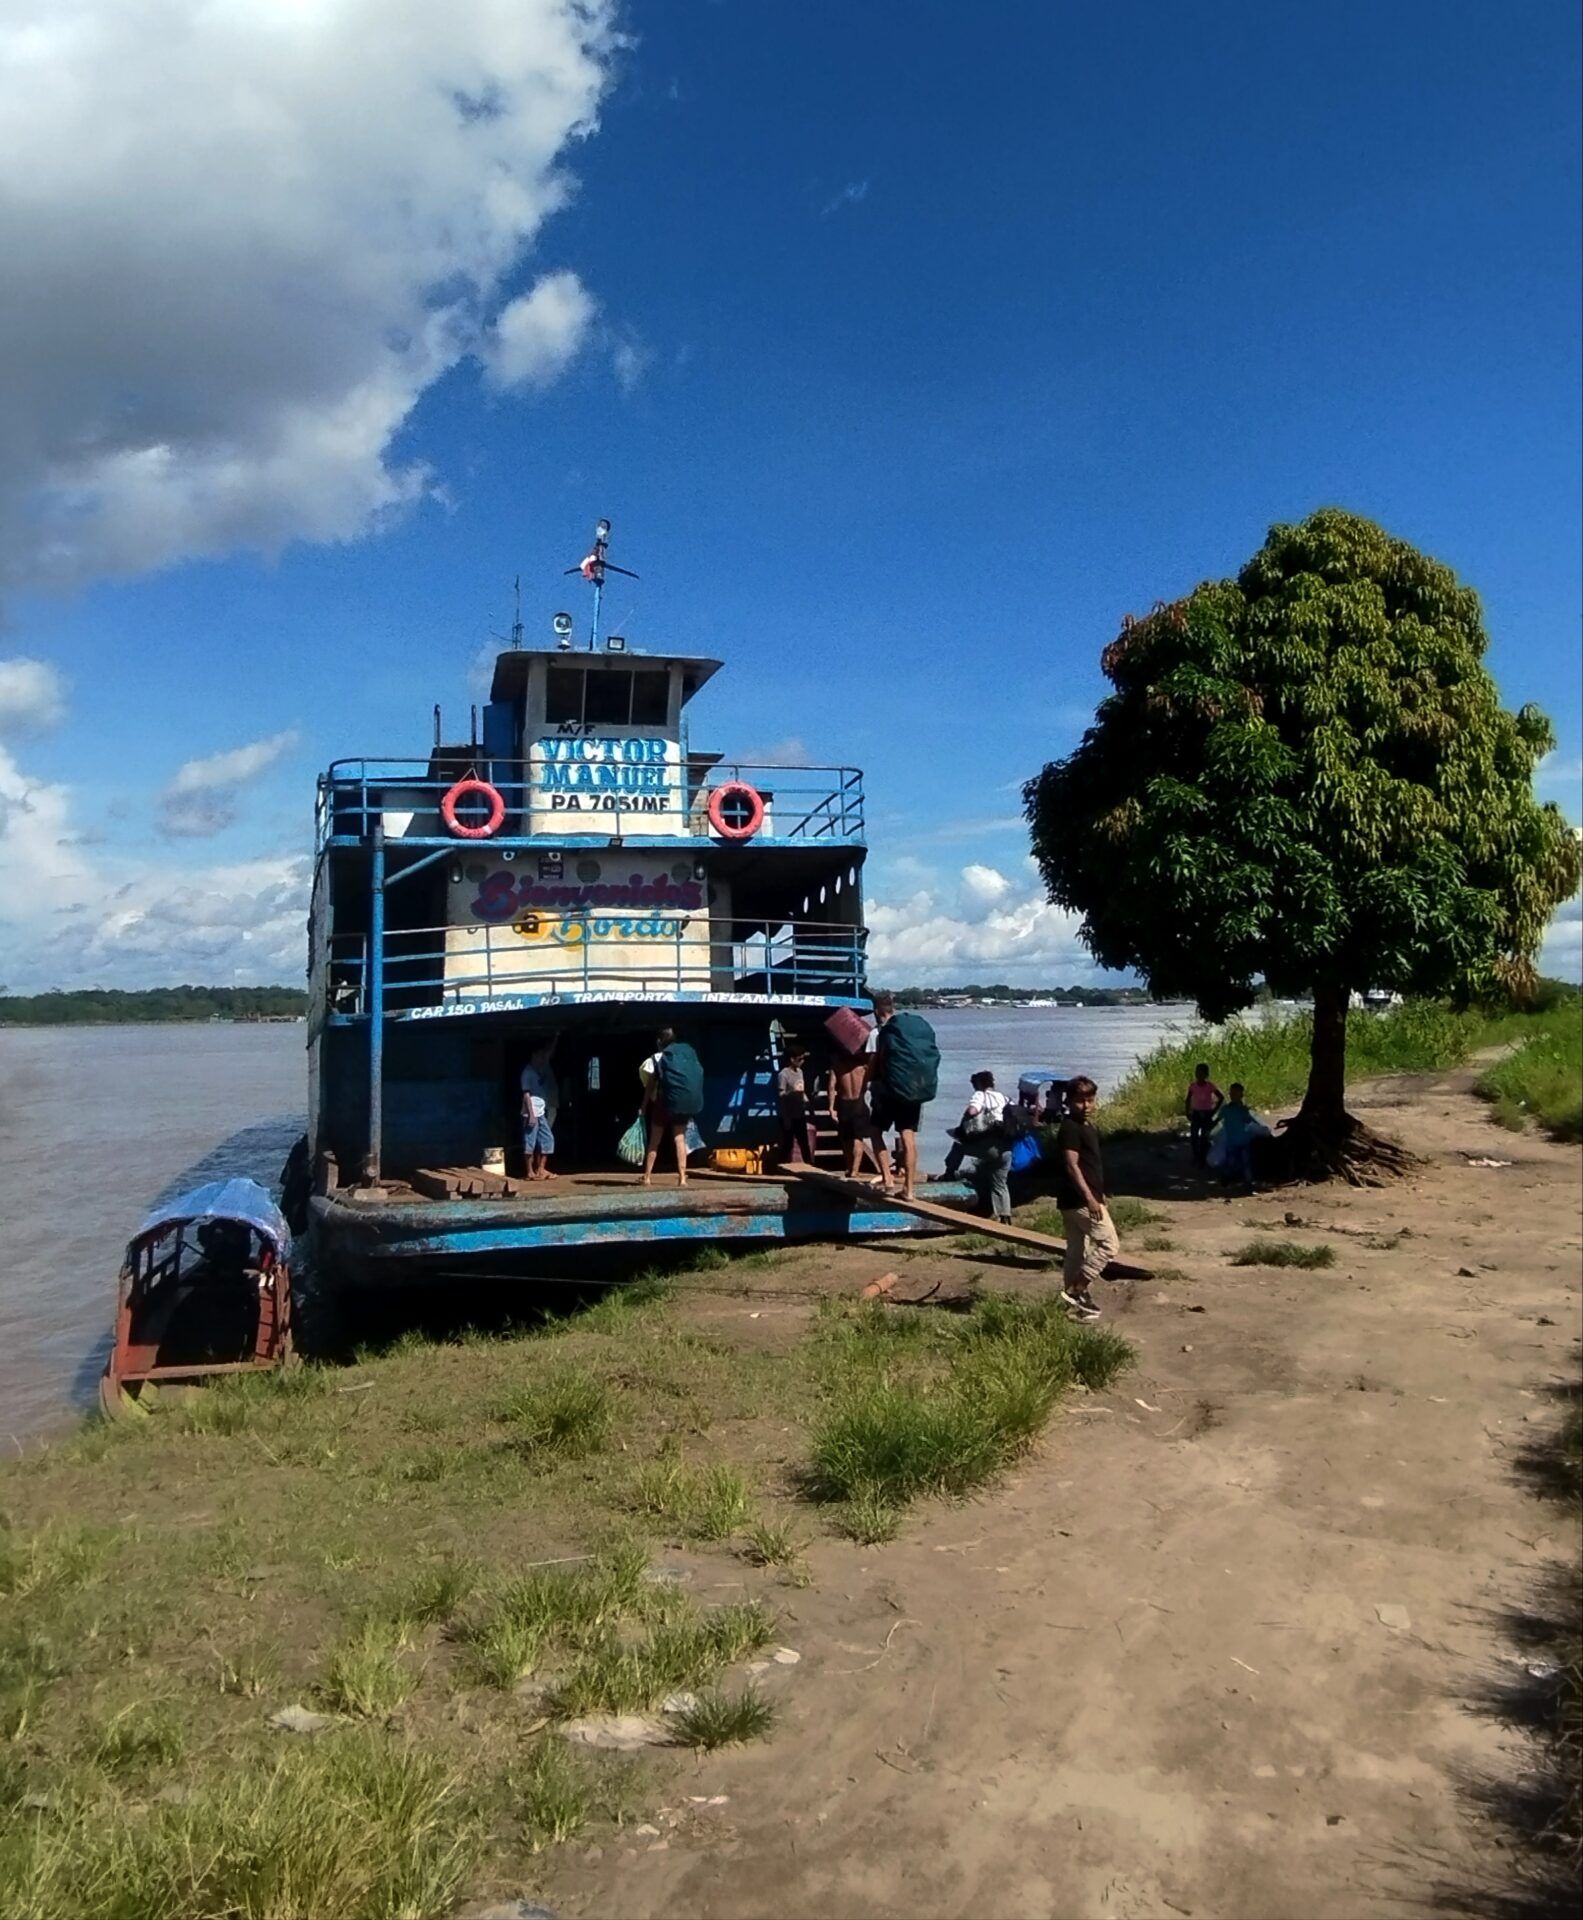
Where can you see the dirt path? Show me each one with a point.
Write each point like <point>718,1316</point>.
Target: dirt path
<point>1210,1651</point>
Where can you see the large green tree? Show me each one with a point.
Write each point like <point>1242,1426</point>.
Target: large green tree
<point>1305,776</point>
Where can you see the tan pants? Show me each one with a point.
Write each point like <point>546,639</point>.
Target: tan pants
<point>1090,1245</point>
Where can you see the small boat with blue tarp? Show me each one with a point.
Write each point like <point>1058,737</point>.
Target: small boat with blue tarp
<point>577,871</point>
<point>205,1289</point>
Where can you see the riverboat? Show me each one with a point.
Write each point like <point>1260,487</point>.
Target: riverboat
<point>204,1290</point>
<point>576,868</point>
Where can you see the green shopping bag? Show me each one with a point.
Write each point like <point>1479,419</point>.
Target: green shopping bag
<point>630,1147</point>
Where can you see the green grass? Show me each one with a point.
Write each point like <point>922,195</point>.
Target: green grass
<point>1130,1214</point>
<point>938,1406</point>
<point>704,1503</point>
<point>139,1737</point>
<point>344,1828</point>
<point>503,1650</point>
<point>552,1795</point>
<point>1270,1056</point>
<point>432,1596</point>
<point>1282,1253</point>
<point>59,1558</point>
<point>772,1543</point>
<point>724,1719</point>
<point>614,1314</point>
<point>368,1673</point>
<point>571,1412</point>
<point>1541,1080</point>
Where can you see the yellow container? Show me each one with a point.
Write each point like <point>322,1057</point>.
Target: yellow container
<point>737,1159</point>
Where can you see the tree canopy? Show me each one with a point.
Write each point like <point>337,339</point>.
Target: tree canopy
<point>1305,776</point>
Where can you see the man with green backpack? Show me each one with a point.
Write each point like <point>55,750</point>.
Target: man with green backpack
<point>906,1078</point>
<point>673,1097</point>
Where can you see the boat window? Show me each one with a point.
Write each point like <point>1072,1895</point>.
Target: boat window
<point>651,697</point>
<point>608,700</point>
<point>563,697</point>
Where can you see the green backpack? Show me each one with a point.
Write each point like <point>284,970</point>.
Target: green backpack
<point>682,1080</point>
<point>909,1058</point>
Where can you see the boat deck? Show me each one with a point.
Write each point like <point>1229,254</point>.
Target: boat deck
<point>375,1234</point>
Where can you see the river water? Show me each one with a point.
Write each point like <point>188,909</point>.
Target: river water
<point>98,1124</point>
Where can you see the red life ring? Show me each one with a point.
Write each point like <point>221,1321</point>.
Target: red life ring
<point>739,791</point>
<point>497,809</point>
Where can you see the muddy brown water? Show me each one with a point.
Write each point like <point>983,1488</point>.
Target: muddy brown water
<point>99,1124</point>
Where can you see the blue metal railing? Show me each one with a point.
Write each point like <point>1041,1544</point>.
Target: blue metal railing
<point>803,805</point>
<point>577,954</point>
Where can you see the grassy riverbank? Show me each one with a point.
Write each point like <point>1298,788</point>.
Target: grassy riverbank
<point>1270,1057</point>
<point>1541,1080</point>
<point>442,1554</point>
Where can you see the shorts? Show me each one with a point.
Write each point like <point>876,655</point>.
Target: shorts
<point>890,1112</point>
<point>537,1137</point>
<point>853,1120</point>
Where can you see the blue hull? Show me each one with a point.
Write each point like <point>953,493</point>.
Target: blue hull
<point>384,1243</point>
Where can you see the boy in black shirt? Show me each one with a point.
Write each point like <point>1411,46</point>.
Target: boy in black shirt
<point>1080,1190</point>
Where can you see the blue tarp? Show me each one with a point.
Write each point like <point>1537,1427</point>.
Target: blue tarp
<point>221,1200</point>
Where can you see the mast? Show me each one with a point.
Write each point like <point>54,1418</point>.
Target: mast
<point>593,567</point>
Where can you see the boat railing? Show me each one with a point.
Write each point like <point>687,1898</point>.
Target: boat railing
<point>557,795</point>
<point>576,954</point>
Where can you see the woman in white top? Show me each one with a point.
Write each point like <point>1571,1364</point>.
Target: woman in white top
<point>982,1134</point>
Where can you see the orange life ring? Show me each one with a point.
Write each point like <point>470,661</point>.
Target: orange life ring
<point>737,829</point>
<point>497,809</point>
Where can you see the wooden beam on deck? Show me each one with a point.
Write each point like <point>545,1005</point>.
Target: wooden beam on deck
<point>882,1202</point>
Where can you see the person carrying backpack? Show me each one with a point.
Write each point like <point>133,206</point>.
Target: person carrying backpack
<point>985,1132</point>
<point>673,1095</point>
<point>906,1078</point>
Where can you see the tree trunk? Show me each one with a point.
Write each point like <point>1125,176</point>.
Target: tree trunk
<point>1324,1140</point>
<point>1325,1101</point>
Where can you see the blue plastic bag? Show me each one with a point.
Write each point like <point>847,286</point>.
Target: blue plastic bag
<point>1024,1153</point>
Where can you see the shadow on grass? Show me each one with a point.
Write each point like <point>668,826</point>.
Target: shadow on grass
<point>510,1300</point>
<point>1536,1690</point>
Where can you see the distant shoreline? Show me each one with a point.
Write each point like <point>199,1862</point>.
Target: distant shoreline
<point>155,1006</point>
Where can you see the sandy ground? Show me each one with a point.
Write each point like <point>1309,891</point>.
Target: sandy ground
<point>1214,1649</point>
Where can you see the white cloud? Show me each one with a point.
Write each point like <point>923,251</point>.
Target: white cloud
<point>854,192</point>
<point>242,239</point>
<point>204,796</point>
<point>68,921</point>
<point>536,338</point>
<point>987,884</point>
<point>1560,778</point>
<point>790,752</point>
<point>32,695</point>
<point>1561,955</point>
<point>925,939</point>
<point>630,359</point>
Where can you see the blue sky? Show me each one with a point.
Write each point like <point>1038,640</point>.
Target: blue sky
<point>907,346</point>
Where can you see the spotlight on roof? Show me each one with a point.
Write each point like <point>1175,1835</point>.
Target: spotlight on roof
<point>602,531</point>
<point>562,623</point>
<point>616,642</point>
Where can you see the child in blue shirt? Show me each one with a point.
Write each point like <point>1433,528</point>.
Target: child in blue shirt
<point>1239,1125</point>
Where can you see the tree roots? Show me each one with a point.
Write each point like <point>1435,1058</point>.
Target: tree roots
<point>1308,1148</point>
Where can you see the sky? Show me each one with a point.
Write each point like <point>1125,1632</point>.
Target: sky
<point>907,345</point>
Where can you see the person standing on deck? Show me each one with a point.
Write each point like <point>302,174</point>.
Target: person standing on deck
<point>673,1095</point>
<point>540,1104</point>
<point>906,1077</point>
<point>791,1098</point>
<point>1091,1241</point>
<point>1204,1101</point>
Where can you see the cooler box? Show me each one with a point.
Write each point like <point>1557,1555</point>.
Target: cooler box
<point>848,1030</point>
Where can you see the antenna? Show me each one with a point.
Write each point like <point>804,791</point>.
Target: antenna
<point>516,625</point>
<point>593,567</point>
